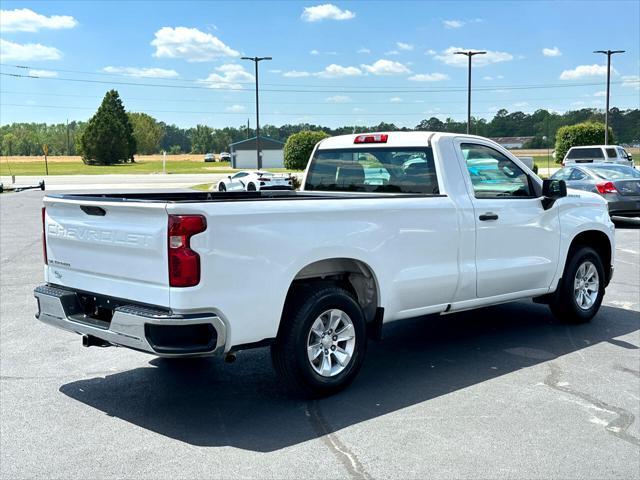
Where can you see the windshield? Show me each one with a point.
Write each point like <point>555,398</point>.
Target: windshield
<point>382,170</point>
<point>615,172</point>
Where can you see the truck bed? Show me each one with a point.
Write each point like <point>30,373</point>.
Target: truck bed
<point>197,197</point>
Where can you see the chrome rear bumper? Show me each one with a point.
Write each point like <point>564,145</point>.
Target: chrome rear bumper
<point>138,327</point>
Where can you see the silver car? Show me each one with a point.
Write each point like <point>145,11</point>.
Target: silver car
<point>618,184</point>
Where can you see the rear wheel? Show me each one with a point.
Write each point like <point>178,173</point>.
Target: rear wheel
<point>581,289</point>
<point>321,344</point>
<point>222,187</point>
<point>251,187</point>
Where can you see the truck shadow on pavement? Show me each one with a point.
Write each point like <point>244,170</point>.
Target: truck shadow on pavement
<point>207,403</point>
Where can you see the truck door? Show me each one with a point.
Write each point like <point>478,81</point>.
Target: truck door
<point>517,241</point>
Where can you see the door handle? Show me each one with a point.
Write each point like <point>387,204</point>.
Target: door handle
<point>488,216</point>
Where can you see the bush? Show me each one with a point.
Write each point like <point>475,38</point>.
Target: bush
<point>298,148</point>
<point>175,150</point>
<point>588,133</point>
<point>108,136</point>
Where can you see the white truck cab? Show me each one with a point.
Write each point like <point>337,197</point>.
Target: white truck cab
<point>387,226</point>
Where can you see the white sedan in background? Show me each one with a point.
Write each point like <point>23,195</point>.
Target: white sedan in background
<point>254,180</point>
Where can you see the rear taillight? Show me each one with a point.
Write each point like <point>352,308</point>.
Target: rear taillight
<point>44,236</point>
<point>372,138</point>
<point>606,187</point>
<point>263,179</point>
<point>184,263</point>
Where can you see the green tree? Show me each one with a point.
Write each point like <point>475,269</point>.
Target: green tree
<point>147,132</point>
<point>588,133</point>
<point>299,146</point>
<point>8,143</point>
<point>108,136</point>
<point>202,139</point>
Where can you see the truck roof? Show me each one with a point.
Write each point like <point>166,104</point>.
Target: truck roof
<point>394,139</point>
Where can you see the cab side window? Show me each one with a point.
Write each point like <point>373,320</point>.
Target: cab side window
<point>611,153</point>
<point>493,175</point>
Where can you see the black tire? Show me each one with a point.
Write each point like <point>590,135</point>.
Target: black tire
<point>289,352</point>
<point>222,187</point>
<point>251,187</point>
<point>564,305</point>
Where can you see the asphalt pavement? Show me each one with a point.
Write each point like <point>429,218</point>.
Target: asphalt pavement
<point>503,392</point>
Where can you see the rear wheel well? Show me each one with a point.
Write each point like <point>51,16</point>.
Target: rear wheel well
<point>597,240</point>
<point>353,275</point>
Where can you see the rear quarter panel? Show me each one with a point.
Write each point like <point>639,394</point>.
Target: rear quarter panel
<point>252,251</point>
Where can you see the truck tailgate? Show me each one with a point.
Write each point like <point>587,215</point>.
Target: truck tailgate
<point>117,249</point>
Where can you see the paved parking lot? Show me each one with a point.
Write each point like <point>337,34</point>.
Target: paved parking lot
<point>499,393</point>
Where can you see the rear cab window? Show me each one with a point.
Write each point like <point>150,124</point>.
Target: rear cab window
<point>373,170</point>
<point>578,153</point>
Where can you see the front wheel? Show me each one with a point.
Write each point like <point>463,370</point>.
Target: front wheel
<point>321,344</point>
<point>581,289</point>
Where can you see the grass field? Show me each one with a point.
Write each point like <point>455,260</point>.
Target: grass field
<point>144,164</point>
<point>72,165</point>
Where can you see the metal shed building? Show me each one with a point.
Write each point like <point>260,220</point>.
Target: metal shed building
<point>243,153</point>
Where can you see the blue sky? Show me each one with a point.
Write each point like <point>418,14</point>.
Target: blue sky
<point>334,64</point>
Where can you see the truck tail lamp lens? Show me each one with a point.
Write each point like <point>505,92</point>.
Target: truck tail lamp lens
<point>372,138</point>
<point>184,263</point>
<point>44,236</point>
<point>606,187</point>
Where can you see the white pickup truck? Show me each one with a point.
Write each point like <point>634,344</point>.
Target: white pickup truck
<point>387,226</point>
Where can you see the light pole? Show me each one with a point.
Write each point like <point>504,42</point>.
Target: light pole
<point>469,54</point>
<point>608,53</point>
<point>256,60</point>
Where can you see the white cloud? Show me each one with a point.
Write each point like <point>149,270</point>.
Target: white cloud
<point>428,77</point>
<point>337,71</point>
<point>386,67</point>
<point>601,93</point>
<point>395,100</point>
<point>296,74</point>
<point>363,50</point>
<point>25,20</point>
<point>577,103</point>
<point>448,57</point>
<point>489,77</point>
<point>231,76</point>
<point>275,71</point>
<point>338,99</point>
<point>141,72</point>
<point>551,52</point>
<point>404,46</point>
<point>631,81</point>
<point>431,52</point>
<point>314,52</point>
<point>189,44</point>
<point>582,71</point>
<point>358,110</point>
<point>325,11</point>
<point>521,104</point>
<point>26,52</point>
<point>42,73</point>
<point>453,23</point>
<point>392,52</point>
<point>236,108</point>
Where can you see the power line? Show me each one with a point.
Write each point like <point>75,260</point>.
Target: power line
<point>217,87</point>
<point>199,81</point>
<point>231,102</point>
<point>65,107</point>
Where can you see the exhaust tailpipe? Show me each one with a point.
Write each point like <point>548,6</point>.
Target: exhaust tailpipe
<point>91,341</point>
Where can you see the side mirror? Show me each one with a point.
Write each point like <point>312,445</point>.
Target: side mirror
<point>629,157</point>
<point>552,190</point>
<point>229,177</point>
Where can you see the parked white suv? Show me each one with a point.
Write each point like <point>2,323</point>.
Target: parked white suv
<point>598,154</point>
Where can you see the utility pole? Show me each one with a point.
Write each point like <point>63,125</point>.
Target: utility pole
<point>256,60</point>
<point>608,53</point>
<point>247,128</point>
<point>469,54</point>
<point>68,144</point>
